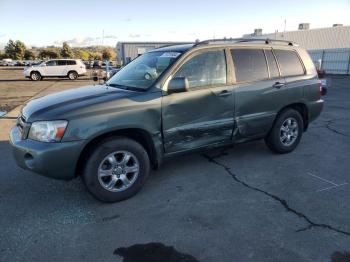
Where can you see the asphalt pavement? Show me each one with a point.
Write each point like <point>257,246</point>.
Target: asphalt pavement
<point>243,203</point>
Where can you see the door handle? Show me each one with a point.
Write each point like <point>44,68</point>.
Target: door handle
<point>224,93</point>
<point>278,85</point>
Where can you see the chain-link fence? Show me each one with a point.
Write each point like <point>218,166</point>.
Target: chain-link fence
<point>332,61</point>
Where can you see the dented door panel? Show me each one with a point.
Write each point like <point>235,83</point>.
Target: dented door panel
<point>197,118</point>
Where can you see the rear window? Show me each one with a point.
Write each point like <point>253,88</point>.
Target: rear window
<point>271,61</point>
<point>71,62</point>
<point>250,64</point>
<point>289,62</point>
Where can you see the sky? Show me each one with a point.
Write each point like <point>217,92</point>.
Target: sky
<point>81,23</point>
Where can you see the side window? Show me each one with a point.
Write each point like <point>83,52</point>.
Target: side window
<point>289,63</point>
<point>61,62</point>
<point>206,69</point>
<point>51,63</point>
<point>271,61</point>
<point>71,62</point>
<point>250,64</point>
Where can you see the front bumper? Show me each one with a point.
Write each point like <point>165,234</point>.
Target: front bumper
<point>56,160</point>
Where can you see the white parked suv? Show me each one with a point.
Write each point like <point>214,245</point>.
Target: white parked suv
<point>71,68</point>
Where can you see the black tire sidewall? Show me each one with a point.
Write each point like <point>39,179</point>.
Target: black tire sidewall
<point>273,139</point>
<point>105,148</point>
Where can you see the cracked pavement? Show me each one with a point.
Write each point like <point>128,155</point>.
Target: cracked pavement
<point>234,204</point>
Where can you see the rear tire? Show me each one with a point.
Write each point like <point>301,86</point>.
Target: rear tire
<point>35,76</point>
<point>72,75</point>
<point>116,169</point>
<point>286,132</point>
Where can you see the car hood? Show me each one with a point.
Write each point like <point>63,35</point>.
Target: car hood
<point>61,105</point>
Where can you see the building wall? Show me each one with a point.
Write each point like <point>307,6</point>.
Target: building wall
<point>331,45</point>
<point>127,51</point>
<point>333,61</point>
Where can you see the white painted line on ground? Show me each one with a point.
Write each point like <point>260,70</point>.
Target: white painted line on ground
<point>328,181</point>
<point>320,178</point>
<point>328,188</point>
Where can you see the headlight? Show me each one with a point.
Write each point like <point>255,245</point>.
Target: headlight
<point>48,131</point>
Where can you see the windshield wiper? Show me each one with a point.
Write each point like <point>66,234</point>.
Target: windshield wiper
<point>131,88</point>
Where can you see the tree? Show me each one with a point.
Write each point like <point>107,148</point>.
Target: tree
<point>29,55</point>
<point>82,54</point>
<point>49,53</point>
<point>108,54</point>
<point>15,50</point>
<point>66,51</point>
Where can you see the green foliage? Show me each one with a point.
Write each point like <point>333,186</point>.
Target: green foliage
<point>49,53</point>
<point>108,54</point>
<point>81,54</point>
<point>96,56</point>
<point>29,55</point>
<point>15,50</point>
<point>66,51</point>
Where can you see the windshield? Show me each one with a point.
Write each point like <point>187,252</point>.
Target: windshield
<point>143,72</point>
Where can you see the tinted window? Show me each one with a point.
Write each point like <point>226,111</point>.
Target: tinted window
<point>71,62</point>
<point>250,64</point>
<point>61,62</point>
<point>289,63</point>
<point>206,69</point>
<point>51,63</point>
<point>271,61</point>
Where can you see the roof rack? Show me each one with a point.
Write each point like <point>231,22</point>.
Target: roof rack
<point>244,40</point>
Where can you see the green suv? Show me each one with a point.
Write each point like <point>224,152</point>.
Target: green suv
<point>169,101</point>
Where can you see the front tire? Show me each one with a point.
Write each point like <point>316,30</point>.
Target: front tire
<point>72,75</point>
<point>35,76</point>
<point>116,169</point>
<point>286,132</point>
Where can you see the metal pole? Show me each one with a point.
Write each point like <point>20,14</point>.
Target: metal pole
<point>323,51</point>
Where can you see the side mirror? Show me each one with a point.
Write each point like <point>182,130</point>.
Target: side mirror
<point>177,85</point>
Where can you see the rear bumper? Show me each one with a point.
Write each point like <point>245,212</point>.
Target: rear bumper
<point>55,160</point>
<point>315,109</point>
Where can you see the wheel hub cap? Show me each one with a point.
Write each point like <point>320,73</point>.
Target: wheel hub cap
<point>289,131</point>
<point>118,171</point>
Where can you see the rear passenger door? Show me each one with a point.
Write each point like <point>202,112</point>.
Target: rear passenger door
<point>62,65</point>
<point>260,90</point>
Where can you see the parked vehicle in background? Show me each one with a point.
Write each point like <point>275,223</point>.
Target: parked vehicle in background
<point>70,68</point>
<point>198,96</point>
<point>6,61</point>
<point>87,64</point>
<point>97,64</point>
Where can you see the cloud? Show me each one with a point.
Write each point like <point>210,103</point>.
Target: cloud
<point>127,19</point>
<point>80,41</point>
<point>2,35</point>
<point>111,37</point>
<point>135,35</point>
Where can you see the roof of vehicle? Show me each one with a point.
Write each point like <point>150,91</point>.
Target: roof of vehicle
<point>227,42</point>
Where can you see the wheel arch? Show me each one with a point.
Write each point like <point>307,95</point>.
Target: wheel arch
<point>139,135</point>
<point>301,108</point>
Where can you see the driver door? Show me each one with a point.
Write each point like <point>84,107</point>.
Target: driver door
<point>203,115</point>
<point>51,68</point>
